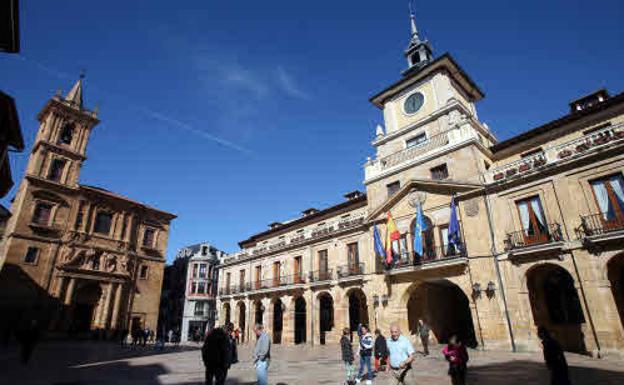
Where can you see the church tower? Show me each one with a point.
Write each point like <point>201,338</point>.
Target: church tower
<point>61,142</point>
<point>418,52</point>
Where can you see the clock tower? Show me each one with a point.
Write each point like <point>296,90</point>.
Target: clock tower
<point>431,126</point>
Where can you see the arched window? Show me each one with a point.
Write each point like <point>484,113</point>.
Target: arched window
<point>67,134</point>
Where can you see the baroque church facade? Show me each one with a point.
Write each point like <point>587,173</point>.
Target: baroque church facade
<point>78,258</point>
<point>541,219</point>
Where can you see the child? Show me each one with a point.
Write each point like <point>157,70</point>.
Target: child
<point>347,355</point>
<point>457,356</point>
<point>366,351</point>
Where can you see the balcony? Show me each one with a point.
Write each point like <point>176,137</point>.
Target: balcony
<point>432,257</point>
<point>351,271</point>
<point>321,276</point>
<point>546,241</point>
<point>282,282</point>
<point>598,230</point>
<point>586,145</point>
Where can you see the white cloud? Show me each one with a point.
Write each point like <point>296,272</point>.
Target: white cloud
<point>288,84</point>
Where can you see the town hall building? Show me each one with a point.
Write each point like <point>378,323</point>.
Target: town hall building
<point>541,219</point>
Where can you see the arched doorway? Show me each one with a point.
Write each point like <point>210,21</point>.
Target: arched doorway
<point>445,308</point>
<point>358,310</point>
<point>258,312</point>
<point>85,302</point>
<point>615,273</point>
<point>226,313</point>
<point>300,320</point>
<point>326,316</point>
<point>556,305</point>
<point>242,314</point>
<point>278,321</point>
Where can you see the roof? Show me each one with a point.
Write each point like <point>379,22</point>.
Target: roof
<point>299,222</point>
<point>445,61</point>
<point>566,119</point>
<point>110,194</point>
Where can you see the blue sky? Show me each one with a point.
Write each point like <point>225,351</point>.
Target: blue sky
<point>235,114</point>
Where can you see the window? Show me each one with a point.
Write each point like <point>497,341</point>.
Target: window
<point>416,141</point>
<point>143,271</point>
<point>297,271</point>
<point>241,278</point>
<point>201,287</point>
<point>399,248</point>
<point>322,258</point>
<point>609,194</point>
<point>66,135</point>
<point>353,256</point>
<point>199,307</point>
<point>439,172</point>
<point>532,218</point>
<point>195,268</point>
<point>258,276</point>
<point>56,170</point>
<point>202,270</point>
<point>103,223</point>
<point>42,214</point>
<point>148,237</point>
<point>276,273</point>
<point>204,250</point>
<point>393,187</point>
<point>31,255</point>
<point>193,287</point>
<point>228,277</point>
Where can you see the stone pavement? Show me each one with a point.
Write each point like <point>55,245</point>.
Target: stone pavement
<point>99,363</point>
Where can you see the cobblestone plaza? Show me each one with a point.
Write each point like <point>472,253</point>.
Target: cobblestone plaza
<point>78,363</point>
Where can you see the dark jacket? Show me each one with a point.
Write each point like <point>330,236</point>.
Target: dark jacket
<point>381,348</point>
<point>346,349</point>
<point>553,355</point>
<point>217,351</point>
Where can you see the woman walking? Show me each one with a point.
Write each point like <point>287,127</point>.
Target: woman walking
<point>457,356</point>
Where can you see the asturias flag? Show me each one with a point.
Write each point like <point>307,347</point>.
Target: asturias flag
<point>379,247</point>
<point>392,234</point>
<point>454,239</point>
<point>419,227</point>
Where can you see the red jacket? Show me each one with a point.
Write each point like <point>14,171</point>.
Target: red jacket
<point>456,354</point>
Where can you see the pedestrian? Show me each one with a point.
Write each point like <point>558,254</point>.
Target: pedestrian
<point>347,355</point>
<point>262,355</point>
<point>123,336</point>
<point>145,335</point>
<point>216,355</point>
<point>554,358</point>
<point>28,338</point>
<point>400,357</point>
<point>423,332</point>
<point>457,356</point>
<point>366,352</point>
<point>381,350</point>
<point>237,335</point>
<point>170,335</point>
<point>233,347</point>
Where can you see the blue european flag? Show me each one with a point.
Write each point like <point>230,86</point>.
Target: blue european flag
<point>419,227</point>
<point>379,248</point>
<point>454,238</point>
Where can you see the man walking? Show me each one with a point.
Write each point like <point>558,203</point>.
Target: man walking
<point>401,357</point>
<point>262,355</point>
<point>423,332</point>
<point>216,354</point>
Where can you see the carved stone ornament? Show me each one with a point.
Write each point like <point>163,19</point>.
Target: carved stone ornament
<point>417,197</point>
<point>471,207</point>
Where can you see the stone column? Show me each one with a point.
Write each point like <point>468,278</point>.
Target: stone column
<point>106,307</point>
<point>69,293</point>
<point>114,318</point>
<point>59,287</point>
<point>288,321</point>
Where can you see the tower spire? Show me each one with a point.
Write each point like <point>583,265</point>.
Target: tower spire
<point>74,96</point>
<point>413,24</point>
<point>418,52</point>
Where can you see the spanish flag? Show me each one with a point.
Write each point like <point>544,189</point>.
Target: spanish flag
<point>392,234</point>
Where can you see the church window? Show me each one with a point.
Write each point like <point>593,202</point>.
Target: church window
<point>393,188</point>
<point>439,172</point>
<point>42,214</point>
<point>148,237</point>
<point>103,223</point>
<point>67,134</point>
<point>31,255</point>
<point>417,140</point>
<point>56,170</point>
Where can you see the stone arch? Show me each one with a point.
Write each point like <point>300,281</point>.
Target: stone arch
<point>358,308</point>
<point>85,303</point>
<point>326,314</point>
<point>444,306</point>
<point>241,313</point>
<point>227,313</point>
<point>615,274</point>
<point>258,312</point>
<point>278,309</point>
<point>300,319</point>
<point>556,305</point>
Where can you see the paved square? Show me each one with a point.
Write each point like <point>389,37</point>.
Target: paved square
<point>99,363</point>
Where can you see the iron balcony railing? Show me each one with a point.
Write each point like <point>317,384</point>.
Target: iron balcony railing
<point>435,141</point>
<point>283,280</point>
<point>351,270</point>
<point>519,239</point>
<point>431,254</point>
<point>321,275</point>
<point>599,224</point>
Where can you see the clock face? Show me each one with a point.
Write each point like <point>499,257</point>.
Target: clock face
<point>414,102</point>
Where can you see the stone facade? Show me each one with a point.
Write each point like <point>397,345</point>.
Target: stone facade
<point>200,289</point>
<point>541,220</point>
<point>78,257</point>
